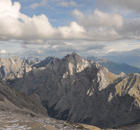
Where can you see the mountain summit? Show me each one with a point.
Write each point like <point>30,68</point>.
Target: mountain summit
<point>76,63</point>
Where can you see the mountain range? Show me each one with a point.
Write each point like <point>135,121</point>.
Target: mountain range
<point>12,68</point>
<point>132,60</point>
<point>82,91</point>
<point>114,67</point>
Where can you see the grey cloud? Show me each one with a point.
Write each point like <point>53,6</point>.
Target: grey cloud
<point>73,48</point>
<point>106,27</point>
<point>131,29</point>
<point>60,49</point>
<point>135,52</point>
<point>55,42</point>
<point>99,19</point>
<point>133,5</point>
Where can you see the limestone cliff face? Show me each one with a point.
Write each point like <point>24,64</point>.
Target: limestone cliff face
<point>11,68</point>
<point>129,84</point>
<point>80,90</point>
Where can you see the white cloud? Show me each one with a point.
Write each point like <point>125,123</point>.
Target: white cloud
<point>111,50</point>
<point>99,19</point>
<point>42,3</point>
<point>14,25</point>
<point>100,25</point>
<point>3,51</point>
<point>68,3</point>
<point>106,26</point>
<point>78,14</point>
<point>72,31</point>
<point>8,19</point>
<point>38,29</point>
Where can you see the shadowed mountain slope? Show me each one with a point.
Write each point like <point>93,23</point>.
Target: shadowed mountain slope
<point>11,99</point>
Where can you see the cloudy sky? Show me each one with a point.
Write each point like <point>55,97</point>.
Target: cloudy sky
<point>57,27</point>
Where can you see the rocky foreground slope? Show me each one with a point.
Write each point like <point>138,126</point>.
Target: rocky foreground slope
<point>13,100</point>
<point>21,112</point>
<point>20,121</point>
<point>80,90</point>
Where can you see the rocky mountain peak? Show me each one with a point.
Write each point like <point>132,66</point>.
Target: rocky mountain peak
<point>122,74</point>
<point>72,55</point>
<point>11,68</point>
<point>44,62</point>
<point>12,60</point>
<point>76,63</point>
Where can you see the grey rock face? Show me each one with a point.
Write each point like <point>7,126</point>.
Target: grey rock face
<point>43,63</point>
<point>11,99</point>
<point>12,68</point>
<point>80,90</point>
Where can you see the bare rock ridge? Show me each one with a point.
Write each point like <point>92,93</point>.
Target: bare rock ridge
<point>43,63</point>
<point>80,90</point>
<point>13,100</point>
<point>12,68</point>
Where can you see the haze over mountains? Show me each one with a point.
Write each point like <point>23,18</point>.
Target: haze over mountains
<point>130,59</point>
<point>115,68</point>
<point>80,90</point>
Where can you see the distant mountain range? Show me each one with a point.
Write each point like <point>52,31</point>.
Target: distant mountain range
<point>115,68</point>
<point>82,91</point>
<point>130,60</point>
